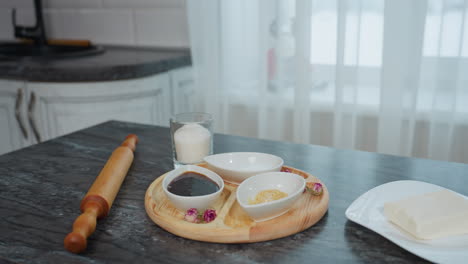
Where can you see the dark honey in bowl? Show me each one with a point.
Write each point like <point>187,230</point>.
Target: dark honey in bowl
<point>192,184</point>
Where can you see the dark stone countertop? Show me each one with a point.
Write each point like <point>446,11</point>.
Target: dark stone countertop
<point>116,63</point>
<point>41,187</point>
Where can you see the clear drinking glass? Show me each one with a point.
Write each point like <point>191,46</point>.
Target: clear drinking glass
<point>192,137</point>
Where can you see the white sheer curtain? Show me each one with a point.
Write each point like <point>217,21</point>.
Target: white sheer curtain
<point>383,76</point>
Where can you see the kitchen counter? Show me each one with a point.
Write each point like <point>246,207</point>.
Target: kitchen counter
<point>41,187</point>
<point>116,63</point>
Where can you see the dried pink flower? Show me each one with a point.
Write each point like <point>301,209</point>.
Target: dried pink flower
<point>315,188</point>
<point>286,170</point>
<point>192,215</point>
<point>209,215</point>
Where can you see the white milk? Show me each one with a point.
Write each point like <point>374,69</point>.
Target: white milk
<point>192,143</point>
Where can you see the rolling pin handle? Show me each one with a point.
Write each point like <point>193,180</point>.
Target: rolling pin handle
<point>130,141</point>
<point>83,227</point>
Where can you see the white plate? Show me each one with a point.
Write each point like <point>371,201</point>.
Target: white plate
<point>367,210</point>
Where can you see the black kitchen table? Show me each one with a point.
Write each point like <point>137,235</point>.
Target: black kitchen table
<point>41,188</point>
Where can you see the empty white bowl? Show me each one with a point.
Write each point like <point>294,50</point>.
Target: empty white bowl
<point>235,167</point>
<point>201,202</point>
<point>289,183</point>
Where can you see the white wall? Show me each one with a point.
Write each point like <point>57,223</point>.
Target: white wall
<point>161,23</point>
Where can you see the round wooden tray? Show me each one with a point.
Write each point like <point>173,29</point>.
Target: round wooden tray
<point>232,224</point>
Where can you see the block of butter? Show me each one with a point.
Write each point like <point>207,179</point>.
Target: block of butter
<point>430,215</point>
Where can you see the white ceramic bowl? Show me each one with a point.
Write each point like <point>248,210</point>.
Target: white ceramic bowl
<point>201,202</point>
<point>235,167</point>
<point>290,183</point>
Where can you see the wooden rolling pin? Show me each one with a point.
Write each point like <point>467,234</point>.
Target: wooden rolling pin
<point>63,42</point>
<point>98,201</point>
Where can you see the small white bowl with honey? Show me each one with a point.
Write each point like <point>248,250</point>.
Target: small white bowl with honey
<point>269,195</point>
<point>192,186</point>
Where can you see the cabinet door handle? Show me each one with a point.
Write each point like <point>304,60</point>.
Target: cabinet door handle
<point>32,122</point>
<point>18,103</point>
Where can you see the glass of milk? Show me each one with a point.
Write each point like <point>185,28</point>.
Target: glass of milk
<point>192,137</point>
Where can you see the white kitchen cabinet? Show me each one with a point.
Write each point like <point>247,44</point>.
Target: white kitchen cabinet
<point>14,129</point>
<point>182,90</point>
<point>32,112</point>
<point>61,108</point>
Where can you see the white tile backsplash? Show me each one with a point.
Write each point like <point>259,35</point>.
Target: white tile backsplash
<point>6,29</point>
<point>144,3</point>
<point>16,4</point>
<point>108,26</point>
<point>161,27</point>
<point>63,24</point>
<point>105,26</point>
<point>24,17</point>
<point>72,3</point>
<point>136,22</point>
